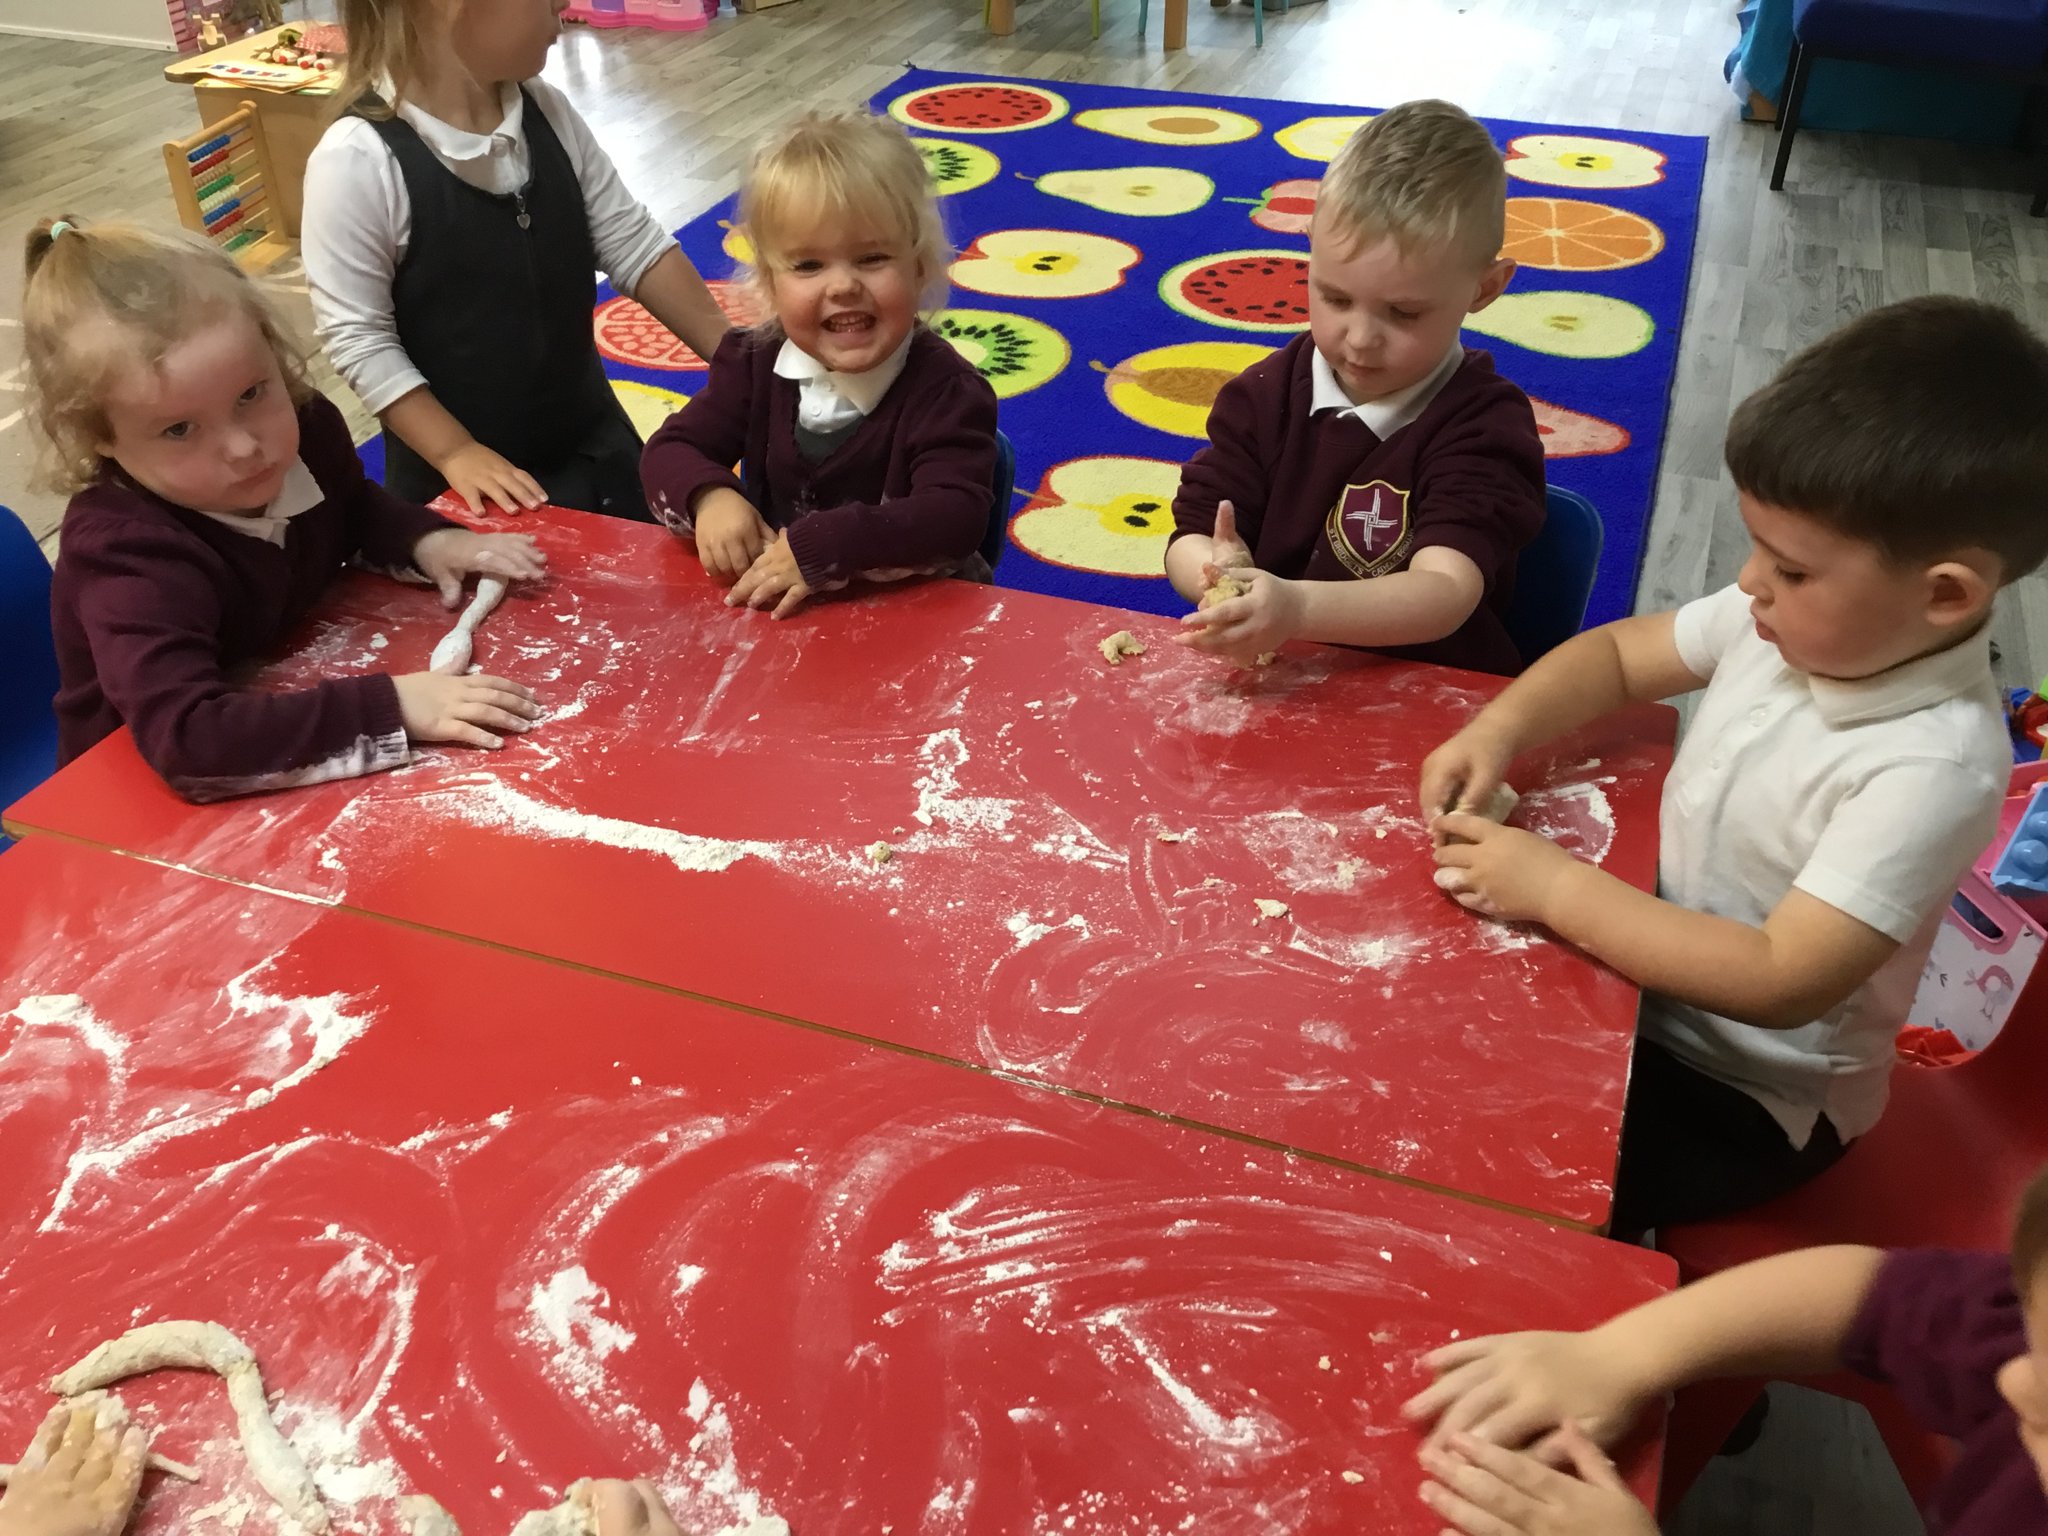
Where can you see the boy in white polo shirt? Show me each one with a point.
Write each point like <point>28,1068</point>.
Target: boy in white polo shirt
<point>1845,764</point>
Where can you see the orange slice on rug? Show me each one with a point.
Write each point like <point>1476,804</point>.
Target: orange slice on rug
<point>1560,234</point>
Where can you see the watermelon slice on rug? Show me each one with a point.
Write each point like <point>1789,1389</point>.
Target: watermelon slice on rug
<point>1245,290</point>
<point>979,106</point>
<point>627,334</point>
<point>1574,435</point>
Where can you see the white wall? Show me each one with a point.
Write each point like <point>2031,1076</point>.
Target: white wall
<point>140,23</point>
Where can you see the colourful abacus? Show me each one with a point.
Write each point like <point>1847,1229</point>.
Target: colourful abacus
<point>221,180</point>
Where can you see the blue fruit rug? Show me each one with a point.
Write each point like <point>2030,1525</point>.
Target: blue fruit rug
<point>1125,252</point>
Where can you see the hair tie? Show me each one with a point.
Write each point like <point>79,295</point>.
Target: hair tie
<point>62,227</point>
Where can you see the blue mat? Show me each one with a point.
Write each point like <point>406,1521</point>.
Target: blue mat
<point>1081,208</point>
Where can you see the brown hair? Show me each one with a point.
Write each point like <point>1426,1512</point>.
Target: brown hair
<point>1921,428</point>
<point>383,44</point>
<point>1424,174</point>
<point>842,166</point>
<point>2030,1236</point>
<point>102,297</point>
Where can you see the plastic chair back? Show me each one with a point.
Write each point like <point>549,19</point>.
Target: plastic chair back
<point>997,538</point>
<point>28,682</point>
<point>1943,1168</point>
<point>1554,576</point>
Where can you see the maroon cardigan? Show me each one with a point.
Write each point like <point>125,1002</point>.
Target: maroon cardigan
<point>155,607</point>
<point>1321,497</point>
<point>909,489</point>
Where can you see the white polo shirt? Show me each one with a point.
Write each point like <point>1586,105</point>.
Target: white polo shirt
<point>1872,796</point>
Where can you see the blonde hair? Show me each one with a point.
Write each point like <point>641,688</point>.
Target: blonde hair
<point>1424,174</point>
<point>103,297</point>
<point>384,43</point>
<point>840,167</point>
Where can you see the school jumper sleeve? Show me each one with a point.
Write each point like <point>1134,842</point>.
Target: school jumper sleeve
<point>696,448</point>
<point>1479,489</point>
<point>1232,466</point>
<point>382,528</point>
<point>949,443</point>
<point>155,621</point>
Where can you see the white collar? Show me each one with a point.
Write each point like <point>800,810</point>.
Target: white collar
<point>1390,413</point>
<point>300,493</point>
<point>453,143</point>
<point>1963,668</point>
<point>862,391</point>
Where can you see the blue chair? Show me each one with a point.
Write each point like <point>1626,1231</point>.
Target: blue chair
<point>1554,576</point>
<point>997,538</point>
<point>1258,17</point>
<point>2006,38</point>
<point>28,683</point>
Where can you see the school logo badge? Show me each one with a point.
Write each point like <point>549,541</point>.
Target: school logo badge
<point>1368,528</point>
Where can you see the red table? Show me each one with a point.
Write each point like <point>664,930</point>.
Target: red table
<point>529,1223</point>
<point>697,814</point>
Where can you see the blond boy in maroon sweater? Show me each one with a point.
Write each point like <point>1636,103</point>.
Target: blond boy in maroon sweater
<point>1372,482</point>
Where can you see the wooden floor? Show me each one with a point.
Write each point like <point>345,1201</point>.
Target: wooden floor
<point>1863,221</point>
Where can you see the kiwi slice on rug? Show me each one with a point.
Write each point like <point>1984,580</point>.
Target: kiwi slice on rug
<point>1013,352</point>
<point>956,167</point>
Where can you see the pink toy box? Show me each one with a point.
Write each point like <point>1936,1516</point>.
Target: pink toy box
<point>663,15</point>
<point>1985,951</point>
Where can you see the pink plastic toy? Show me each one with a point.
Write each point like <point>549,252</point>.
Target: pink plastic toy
<point>663,15</point>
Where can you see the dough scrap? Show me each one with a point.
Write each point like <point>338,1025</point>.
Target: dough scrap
<point>1119,645</point>
<point>1352,1477</point>
<point>451,656</point>
<point>1268,907</point>
<point>424,1517</point>
<point>1500,805</point>
<point>880,853</point>
<point>1172,837</point>
<point>1225,587</point>
<point>572,1517</point>
<point>196,1346</point>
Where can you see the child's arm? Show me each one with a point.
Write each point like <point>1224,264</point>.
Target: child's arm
<point>634,249</point>
<point>480,476</point>
<point>940,520</point>
<point>687,467</point>
<point>1228,470</point>
<point>674,293</point>
<point>392,534</point>
<point>1427,601</point>
<point>1806,958</point>
<point>1788,1315</point>
<point>154,623</point>
<point>1590,675</point>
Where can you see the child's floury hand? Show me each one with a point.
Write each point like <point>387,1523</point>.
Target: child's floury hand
<point>1241,629</point>
<point>731,533</point>
<point>1512,1389</point>
<point>437,708</point>
<point>772,578</point>
<point>447,555</point>
<point>1499,871</point>
<point>478,475</point>
<point>1462,774</point>
<point>1483,1490</point>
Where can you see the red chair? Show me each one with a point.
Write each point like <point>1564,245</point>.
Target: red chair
<point>1943,1169</point>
